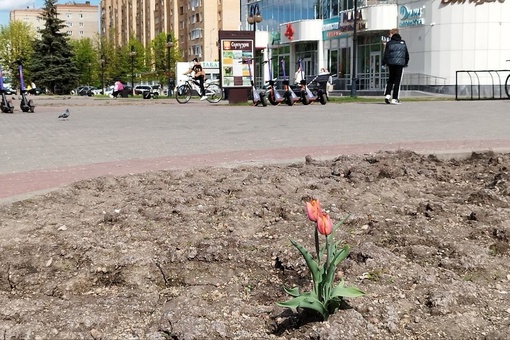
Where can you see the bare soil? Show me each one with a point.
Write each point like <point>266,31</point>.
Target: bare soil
<point>204,253</point>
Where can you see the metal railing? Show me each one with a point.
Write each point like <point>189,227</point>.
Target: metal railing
<point>410,82</point>
<point>481,84</point>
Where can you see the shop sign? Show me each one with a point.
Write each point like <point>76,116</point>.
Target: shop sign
<point>210,64</point>
<point>346,22</point>
<point>411,16</point>
<point>476,2</point>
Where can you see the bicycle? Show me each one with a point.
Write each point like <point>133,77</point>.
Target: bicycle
<point>507,85</point>
<point>213,91</point>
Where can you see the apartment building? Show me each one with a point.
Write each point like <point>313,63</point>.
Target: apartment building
<point>194,23</point>
<point>81,19</point>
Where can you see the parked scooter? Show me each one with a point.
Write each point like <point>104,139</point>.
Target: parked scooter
<point>273,96</point>
<point>256,96</point>
<point>306,95</point>
<point>289,96</point>
<point>26,104</point>
<point>6,105</point>
<point>321,94</point>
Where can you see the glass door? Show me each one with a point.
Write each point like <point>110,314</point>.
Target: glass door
<point>375,71</point>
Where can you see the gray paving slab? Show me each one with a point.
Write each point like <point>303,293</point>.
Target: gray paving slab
<point>39,152</point>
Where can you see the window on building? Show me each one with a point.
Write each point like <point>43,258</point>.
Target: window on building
<point>69,32</point>
<point>81,15</point>
<point>195,33</point>
<point>81,33</point>
<point>69,24</point>
<point>81,24</point>
<point>197,50</point>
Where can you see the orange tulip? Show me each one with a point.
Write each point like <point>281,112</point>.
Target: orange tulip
<point>324,224</point>
<point>313,209</point>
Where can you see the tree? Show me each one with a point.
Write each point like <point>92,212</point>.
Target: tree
<point>52,61</point>
<point>16,40</point>
<point>160,55</point>
<point>86,59</point>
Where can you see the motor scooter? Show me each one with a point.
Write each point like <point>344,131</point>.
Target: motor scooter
<point>6,105</point>
<point>289,96</point>
<point>26,104</point>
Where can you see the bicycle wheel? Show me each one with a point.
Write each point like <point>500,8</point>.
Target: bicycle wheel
<point>507,86</point>
<point>183,94</point>
<point>214,93</point>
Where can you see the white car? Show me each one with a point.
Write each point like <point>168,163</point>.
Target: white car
<point>96,91</point>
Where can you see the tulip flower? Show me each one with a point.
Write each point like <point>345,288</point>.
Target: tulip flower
<point>324,224</point>
<point>313,209</point>
<point>326,296</point>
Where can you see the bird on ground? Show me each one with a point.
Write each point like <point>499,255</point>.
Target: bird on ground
<point>64,115</point>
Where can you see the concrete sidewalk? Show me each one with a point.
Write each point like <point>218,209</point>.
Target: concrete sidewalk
<point>115,137</point>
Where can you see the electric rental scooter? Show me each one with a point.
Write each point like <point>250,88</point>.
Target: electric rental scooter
<point>306,94</point>
<point>26,104</point>
<point>6,105</point>
<point>256,97</point>
<point>289,96</point>
<point>272,94</point>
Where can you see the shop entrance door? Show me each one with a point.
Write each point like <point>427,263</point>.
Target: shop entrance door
<point>375,71</point>
<point>307,66</point>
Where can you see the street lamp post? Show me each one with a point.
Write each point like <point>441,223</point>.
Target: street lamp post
<point>254,17</point>
<point>169,44</point>
<point>354,80</point>
<point>102,74</point>
<point>88,80</point>
<point>132,54</point>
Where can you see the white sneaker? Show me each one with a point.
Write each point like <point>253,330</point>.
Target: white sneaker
<point>203,98</point>
<point>387,99</point>
<point>395,102</point>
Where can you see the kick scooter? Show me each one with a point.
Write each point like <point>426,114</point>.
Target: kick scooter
<point>289,96</point>
<point>6,105</point>
<point>26,104</point>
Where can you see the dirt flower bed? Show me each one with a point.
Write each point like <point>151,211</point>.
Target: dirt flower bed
<point>204,253</point>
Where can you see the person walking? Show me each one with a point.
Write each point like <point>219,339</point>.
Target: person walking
<point>199,75</point>
<point>396,57</point>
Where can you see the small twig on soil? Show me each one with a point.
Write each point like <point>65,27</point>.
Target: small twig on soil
<point>11,283</point>
<point>162,273</point>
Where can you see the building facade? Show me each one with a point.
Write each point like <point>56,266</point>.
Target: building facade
<point>443,37</point>
<point>194,23</point>
<point>81,19</point>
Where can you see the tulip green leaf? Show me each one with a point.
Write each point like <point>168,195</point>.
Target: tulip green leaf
<point>312,265</point>
<point>292,292</point>
<point>348,292</point>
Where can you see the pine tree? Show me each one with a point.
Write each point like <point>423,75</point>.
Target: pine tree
<point>52,63</point>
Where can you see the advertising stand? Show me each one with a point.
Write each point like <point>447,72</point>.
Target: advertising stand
<point>235,48</point>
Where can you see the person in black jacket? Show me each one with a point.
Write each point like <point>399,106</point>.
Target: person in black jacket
<point>396,57</point>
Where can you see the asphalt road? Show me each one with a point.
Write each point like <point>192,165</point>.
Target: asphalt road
<point>39,152</point>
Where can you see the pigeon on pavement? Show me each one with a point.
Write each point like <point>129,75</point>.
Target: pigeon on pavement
<point>64,115</point>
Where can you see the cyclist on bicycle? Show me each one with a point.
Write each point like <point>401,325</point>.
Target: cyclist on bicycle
<point>198,76</point>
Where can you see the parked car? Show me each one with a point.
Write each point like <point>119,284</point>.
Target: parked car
<point>9,91</point>
<point>97,92</point>
<point>140,89</point>
<point>35,91</point>
<point>84,91</point>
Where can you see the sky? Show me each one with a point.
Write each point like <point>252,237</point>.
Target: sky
<point>8,5</point>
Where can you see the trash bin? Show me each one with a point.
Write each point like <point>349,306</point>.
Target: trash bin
<point>125,92</point>
<point>146,94</point>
